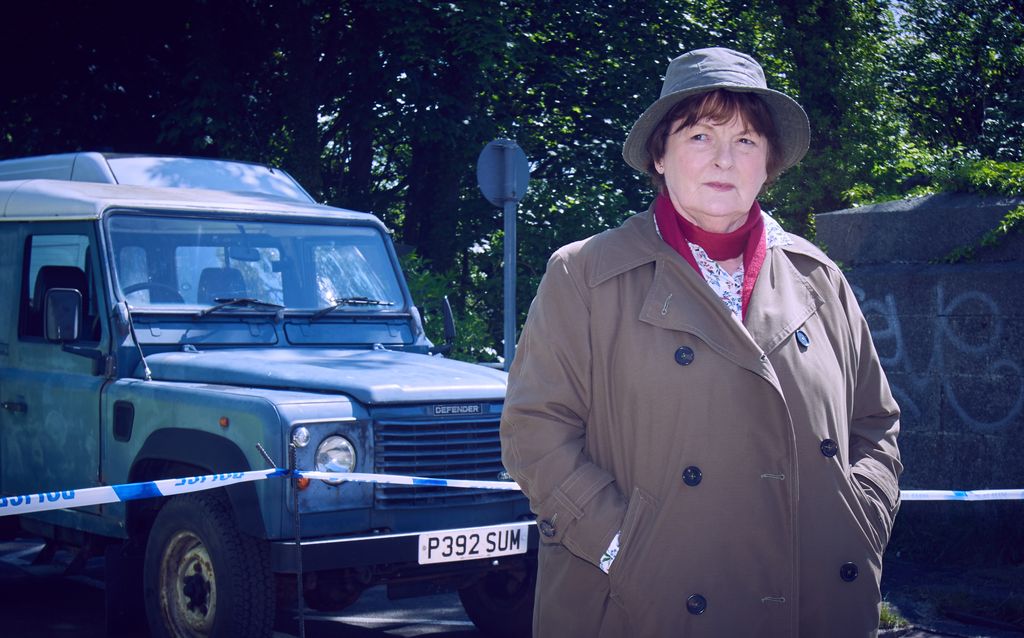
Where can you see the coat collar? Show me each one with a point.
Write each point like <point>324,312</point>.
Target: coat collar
<point>631,245</point>
<point>678,299</point>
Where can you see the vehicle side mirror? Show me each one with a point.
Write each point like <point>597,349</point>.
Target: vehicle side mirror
<point>449,322</point>
<point>449,329</point>
<point>62,311</point>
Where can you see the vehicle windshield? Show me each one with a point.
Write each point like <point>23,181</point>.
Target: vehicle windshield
<point>163,261</point>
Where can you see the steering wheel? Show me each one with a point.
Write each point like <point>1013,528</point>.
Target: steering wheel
<point>174,295</point>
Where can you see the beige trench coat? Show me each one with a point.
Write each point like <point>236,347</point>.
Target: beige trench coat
<point>752,473</point>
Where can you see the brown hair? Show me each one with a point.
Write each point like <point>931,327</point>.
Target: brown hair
<point>719,106</point>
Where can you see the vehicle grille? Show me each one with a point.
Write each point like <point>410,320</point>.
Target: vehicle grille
<point>438,449</point>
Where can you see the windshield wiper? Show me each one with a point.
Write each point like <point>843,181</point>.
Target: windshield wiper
<point>227,302</point>
<point>349,301</point>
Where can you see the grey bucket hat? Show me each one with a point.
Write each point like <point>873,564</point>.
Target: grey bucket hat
<point>705,70</point>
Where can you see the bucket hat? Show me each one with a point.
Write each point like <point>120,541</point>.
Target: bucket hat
<point>705,70</point>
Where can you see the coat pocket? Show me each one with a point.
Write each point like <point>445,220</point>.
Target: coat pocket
<point>874,522</point>
<point>630,564</point>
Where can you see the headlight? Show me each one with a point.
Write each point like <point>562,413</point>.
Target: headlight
<point>300,437</point>
<point>335,454</point>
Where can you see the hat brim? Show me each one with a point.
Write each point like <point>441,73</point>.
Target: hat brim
<point>791,124</point>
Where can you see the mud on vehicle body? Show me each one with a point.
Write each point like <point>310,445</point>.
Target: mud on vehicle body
<point>164,331</point>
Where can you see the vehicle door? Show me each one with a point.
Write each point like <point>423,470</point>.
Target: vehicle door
<point>50,392</point>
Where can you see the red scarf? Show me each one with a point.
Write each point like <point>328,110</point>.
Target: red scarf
<point>748,240</point>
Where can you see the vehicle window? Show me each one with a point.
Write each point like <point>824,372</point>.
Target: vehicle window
<point>57,261</point>
<point>256,267</point>
<point>346,270</point>
<point>131,262</point>
<point>195,261</point>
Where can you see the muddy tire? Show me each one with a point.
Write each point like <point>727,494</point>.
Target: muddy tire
<point>500,603</point>
<point>203,577</point>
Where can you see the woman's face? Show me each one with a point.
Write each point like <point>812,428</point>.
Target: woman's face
<point>713,172</point>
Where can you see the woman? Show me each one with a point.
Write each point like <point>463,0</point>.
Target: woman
<point>696,410</point>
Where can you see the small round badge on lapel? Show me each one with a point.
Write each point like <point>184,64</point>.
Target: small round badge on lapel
<point>803,339</point>
<point>684,356</point>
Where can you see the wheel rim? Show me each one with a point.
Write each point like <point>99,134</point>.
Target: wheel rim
<point>188,587</point>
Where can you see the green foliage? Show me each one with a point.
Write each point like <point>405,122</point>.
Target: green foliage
<point>384,106</point>
<point>959,74</point>
<point>835,52</point>
<point>989,176</point>
<point>473,342</point>
<point>923,172</point>
<point>1013,221</point>
<point>890,617</point>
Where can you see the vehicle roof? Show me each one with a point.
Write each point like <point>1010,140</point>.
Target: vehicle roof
<point>160,171</point>
<point>39,199</point>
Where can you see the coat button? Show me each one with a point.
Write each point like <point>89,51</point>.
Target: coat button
<point>692,476</point>
<point>546,527</point>
<point>696,604</point>
<point>684,356</point>
<point>829,448</point>
<point>849,572</point>
<point>802,339</point>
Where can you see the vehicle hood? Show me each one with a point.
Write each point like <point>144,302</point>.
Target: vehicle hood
<point>370,376</point>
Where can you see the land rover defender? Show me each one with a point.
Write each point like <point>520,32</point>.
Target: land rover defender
<point>164,317</point>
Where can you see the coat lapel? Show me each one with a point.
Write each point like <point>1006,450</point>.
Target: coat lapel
<point>782,301</point>
<point>678,299</point>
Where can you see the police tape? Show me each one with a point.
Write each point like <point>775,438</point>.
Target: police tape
<point>962,495</point>
<point>105,494</point>
<point>419,481</point>
<point>42,501</point>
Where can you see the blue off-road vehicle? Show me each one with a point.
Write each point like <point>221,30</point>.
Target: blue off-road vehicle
<point>165,316</point>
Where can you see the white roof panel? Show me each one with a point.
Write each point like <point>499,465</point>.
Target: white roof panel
<point>44,198</point>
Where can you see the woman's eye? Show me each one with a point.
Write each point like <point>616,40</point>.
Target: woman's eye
<point>747,140</point>
<point>699,137</point>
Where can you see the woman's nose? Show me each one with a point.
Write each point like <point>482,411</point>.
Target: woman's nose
<point>723,155</point>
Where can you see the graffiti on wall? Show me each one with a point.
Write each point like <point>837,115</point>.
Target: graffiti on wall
<point>948,343</point>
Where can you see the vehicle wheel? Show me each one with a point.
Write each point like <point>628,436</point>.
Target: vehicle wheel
<point>202,576</point>
<point>500,603</point>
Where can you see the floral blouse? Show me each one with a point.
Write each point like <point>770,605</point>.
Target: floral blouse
<point>729,289</point>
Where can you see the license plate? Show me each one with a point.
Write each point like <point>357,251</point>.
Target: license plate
<point>469,544</point>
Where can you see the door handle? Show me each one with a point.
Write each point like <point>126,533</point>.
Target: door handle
<point>14,406</point>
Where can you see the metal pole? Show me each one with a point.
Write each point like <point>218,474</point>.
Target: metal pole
<point>510,255</point>
<point>510,283</point>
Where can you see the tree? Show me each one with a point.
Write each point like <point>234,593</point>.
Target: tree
<point>384,105</point>
<point>834,52</point>
<point>72,86</point>
<point>960,74</point>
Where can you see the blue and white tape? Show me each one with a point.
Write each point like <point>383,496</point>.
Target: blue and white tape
<point>961,495</point>
<point>42,501</point>
<point>397,479</point>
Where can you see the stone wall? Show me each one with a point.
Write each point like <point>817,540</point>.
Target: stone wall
<point>951,338</point>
